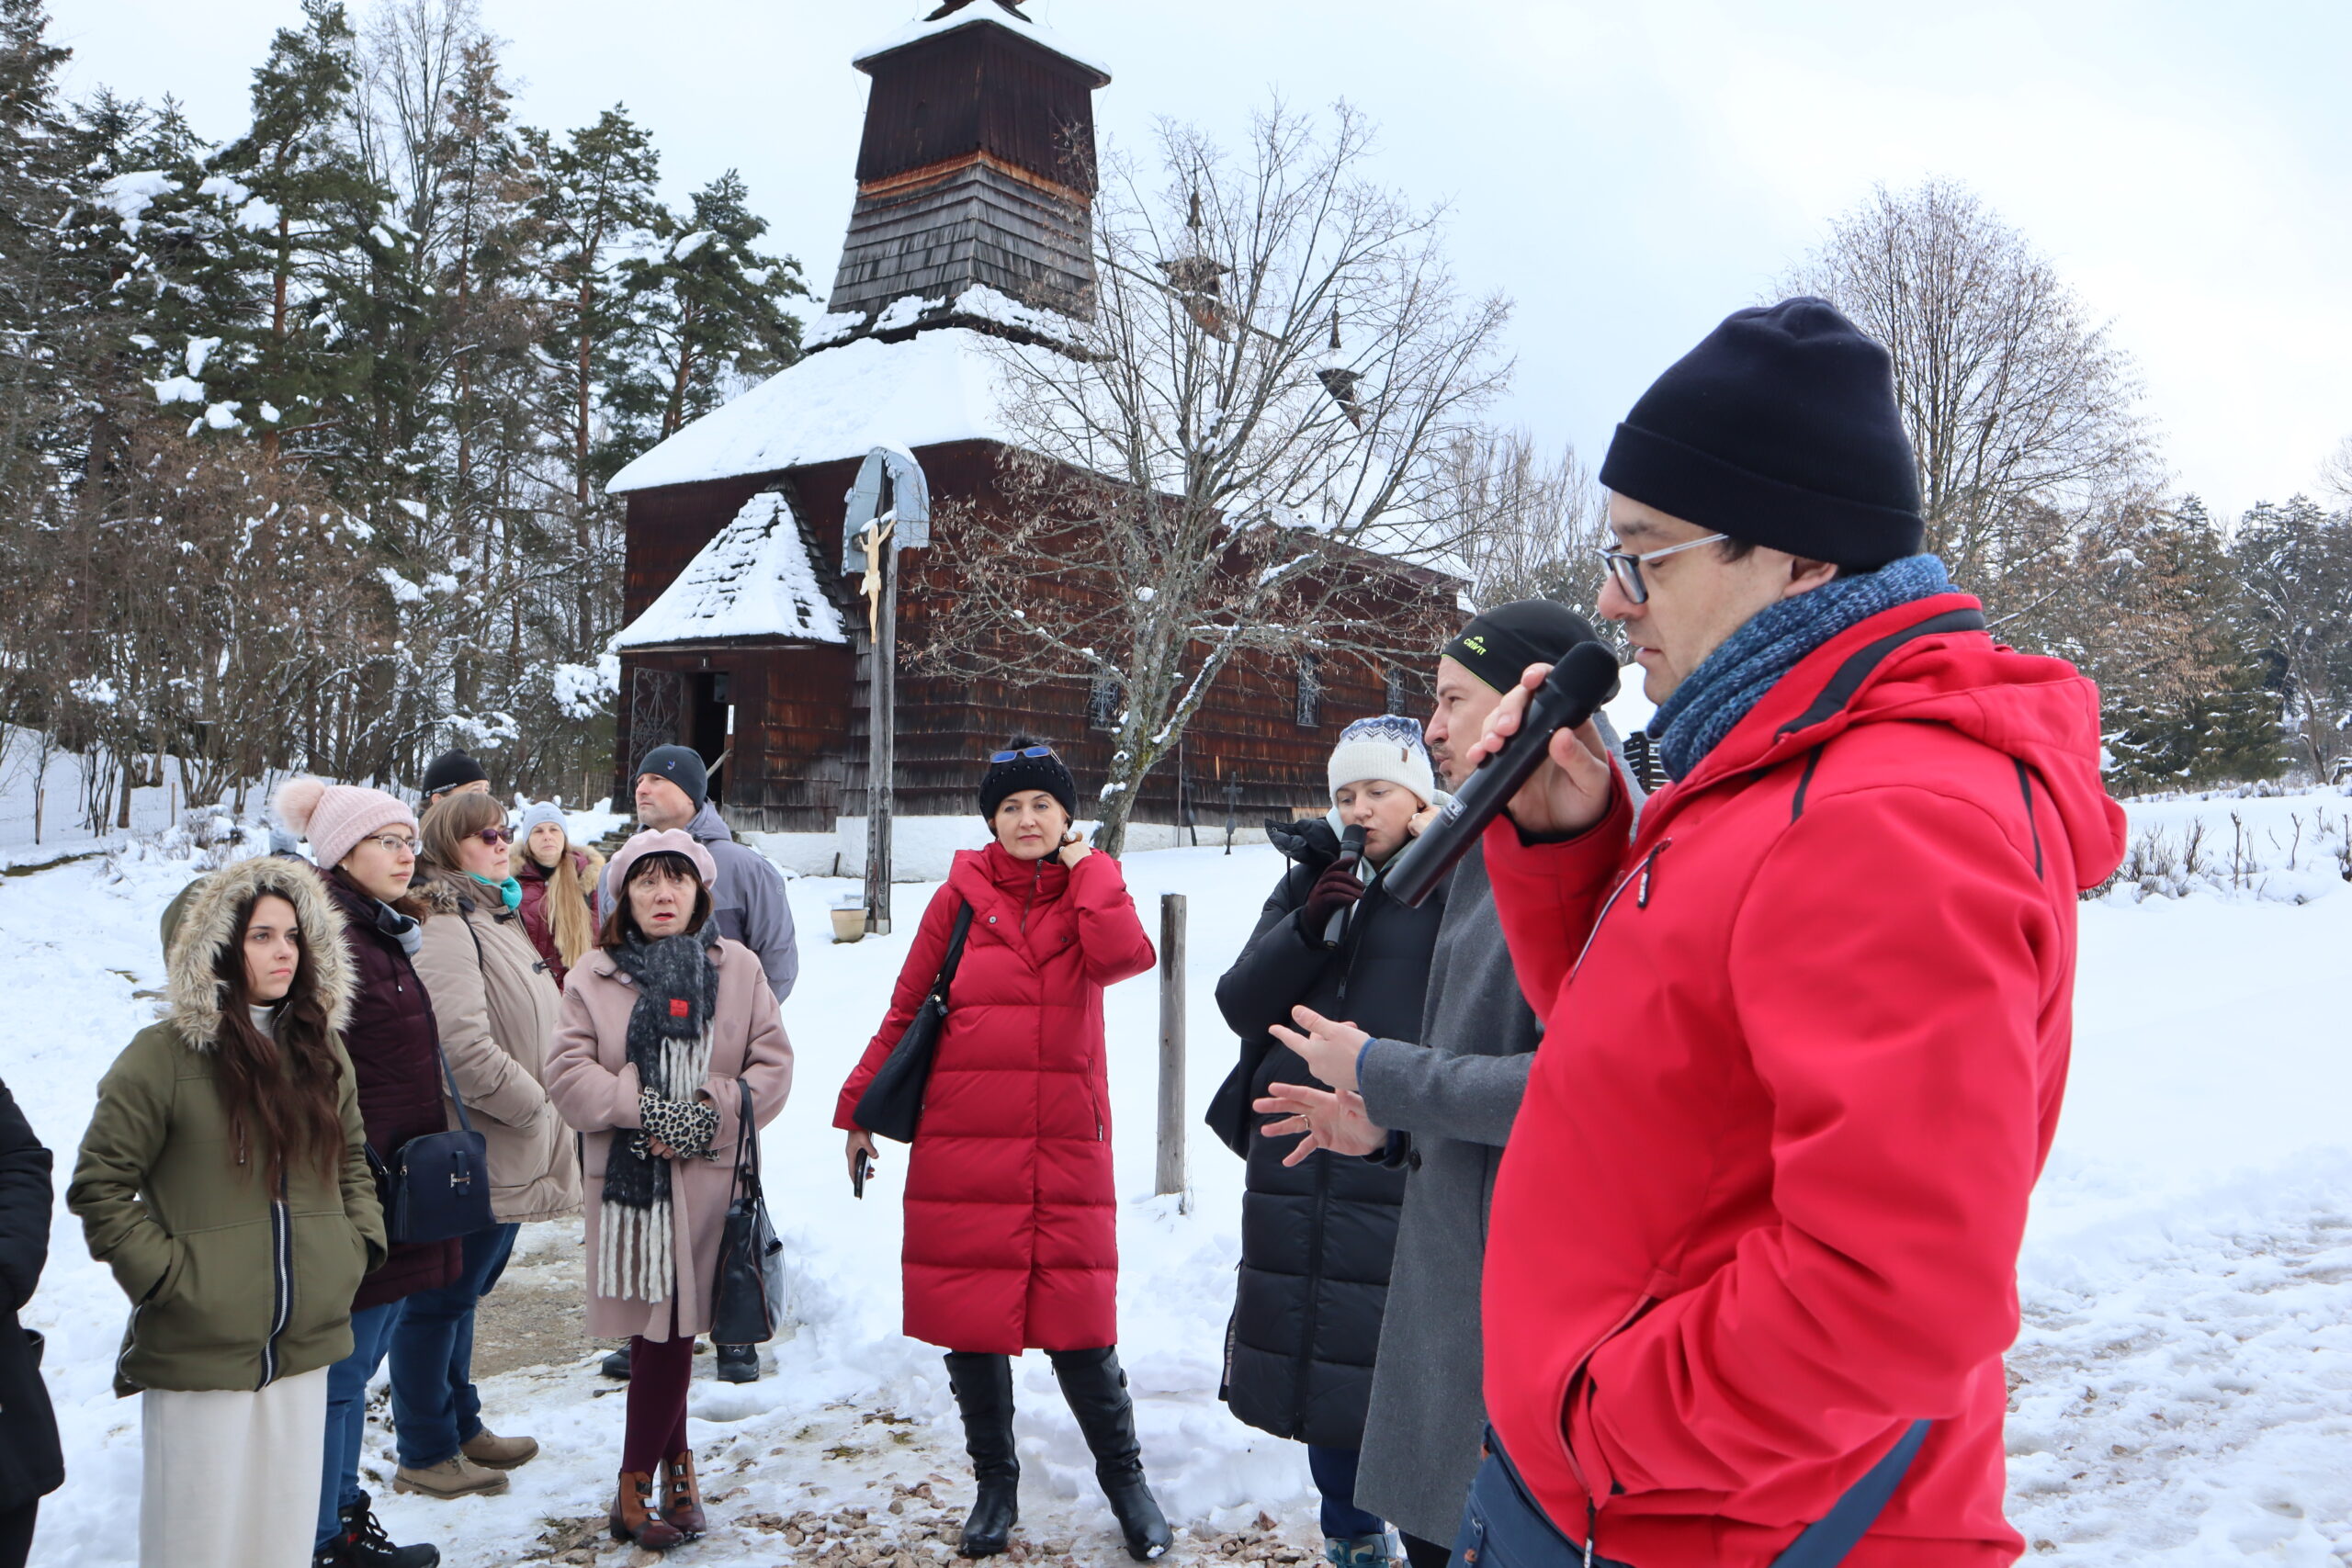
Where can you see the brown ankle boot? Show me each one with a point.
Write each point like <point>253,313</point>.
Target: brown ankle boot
<point>633,1516</point>
<point>682,1495</point>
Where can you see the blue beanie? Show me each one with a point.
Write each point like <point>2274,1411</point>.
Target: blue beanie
<point>1779,429</point>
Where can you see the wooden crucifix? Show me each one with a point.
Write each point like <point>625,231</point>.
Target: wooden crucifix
<point>889,510</point>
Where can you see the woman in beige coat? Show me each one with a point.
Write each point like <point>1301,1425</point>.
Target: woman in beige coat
<point>496,1009</point>
<point>663,1026</point>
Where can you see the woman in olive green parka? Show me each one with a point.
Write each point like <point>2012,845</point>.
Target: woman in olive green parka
<point>225,1181</point>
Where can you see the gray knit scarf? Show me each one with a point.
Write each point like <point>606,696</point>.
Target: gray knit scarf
<point>1731,680</point>
<point>669,1044</point>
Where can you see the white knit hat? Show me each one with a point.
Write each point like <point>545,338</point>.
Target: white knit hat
<point>538,812</point>
<point>1387,746</point>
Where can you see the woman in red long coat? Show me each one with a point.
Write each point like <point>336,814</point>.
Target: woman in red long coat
<point>1011,1238</point>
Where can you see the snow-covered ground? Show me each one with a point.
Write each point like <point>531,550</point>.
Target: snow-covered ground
<point>2183,1381</point>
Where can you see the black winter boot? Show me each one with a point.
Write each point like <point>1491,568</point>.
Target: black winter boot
<point>983,1385</point>
<point>363,1544</point>
<point>1097,1391</point>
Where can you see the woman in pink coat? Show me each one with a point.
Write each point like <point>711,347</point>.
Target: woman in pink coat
<point>661,1024</point>
<point>1011,1238</point>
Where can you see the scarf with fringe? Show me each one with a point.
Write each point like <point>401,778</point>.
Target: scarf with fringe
<point>669,1044</point>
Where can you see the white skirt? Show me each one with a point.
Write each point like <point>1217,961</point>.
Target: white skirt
<point>231,1479</point>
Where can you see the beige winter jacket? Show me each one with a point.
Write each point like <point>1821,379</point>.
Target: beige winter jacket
<point>497,1010</point>
<point>596,1087</point>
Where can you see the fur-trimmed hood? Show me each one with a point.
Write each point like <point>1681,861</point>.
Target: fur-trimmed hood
<point>198,929</point>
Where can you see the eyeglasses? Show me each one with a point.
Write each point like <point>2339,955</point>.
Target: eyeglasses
<point>1024,751</point>
<point>392,843</point>
<point>495,836</point>
<point>1627,568</point>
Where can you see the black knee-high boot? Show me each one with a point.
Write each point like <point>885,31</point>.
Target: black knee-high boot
<point>1097,1391</point>
<point>983,1385</point>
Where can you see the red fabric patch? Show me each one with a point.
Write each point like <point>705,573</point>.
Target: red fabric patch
<point>678,1007</point>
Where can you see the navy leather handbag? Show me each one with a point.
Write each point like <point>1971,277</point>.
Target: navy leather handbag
<point>441,1181</point>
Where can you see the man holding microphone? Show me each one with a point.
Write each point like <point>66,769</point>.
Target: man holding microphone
<point>1752,1261</point>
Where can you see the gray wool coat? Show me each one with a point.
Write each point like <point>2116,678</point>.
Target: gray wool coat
<point>1455,1096</point>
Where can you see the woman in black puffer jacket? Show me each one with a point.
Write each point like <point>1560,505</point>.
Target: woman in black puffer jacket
<point>1317,1237</point>
<point>30,1462</point>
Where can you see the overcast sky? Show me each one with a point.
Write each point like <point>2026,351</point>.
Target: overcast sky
<point>1626,173</point>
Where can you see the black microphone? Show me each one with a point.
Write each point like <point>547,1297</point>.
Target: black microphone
<point>1578,685</point>
<point>1351,852</point>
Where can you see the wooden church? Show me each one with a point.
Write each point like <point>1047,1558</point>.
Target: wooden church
<point>744,638</point>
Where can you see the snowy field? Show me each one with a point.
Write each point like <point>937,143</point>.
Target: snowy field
<point>2183,1383</point>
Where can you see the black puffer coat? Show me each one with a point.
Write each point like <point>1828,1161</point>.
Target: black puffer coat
<point>1316,1237</point>
<point>393,1045</point>
<point>30,1462</point>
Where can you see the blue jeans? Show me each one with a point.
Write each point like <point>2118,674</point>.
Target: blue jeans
<point>371,1330</point>
<point>435,1409</point>
<point>1502,1528</point>
<point>1335,1477</point>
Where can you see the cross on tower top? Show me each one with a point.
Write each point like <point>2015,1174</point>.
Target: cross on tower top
<point>951,6</point>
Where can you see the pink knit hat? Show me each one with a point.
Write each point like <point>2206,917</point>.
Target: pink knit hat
<point>668,841</point>
<point>334,817</point>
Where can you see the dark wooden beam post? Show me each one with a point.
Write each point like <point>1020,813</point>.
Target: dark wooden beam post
<point>1170,1177</point>
<point>881,718</point>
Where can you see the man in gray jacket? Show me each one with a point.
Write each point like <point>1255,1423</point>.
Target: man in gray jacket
<point>747,903</point>
<point>1443,1108</point>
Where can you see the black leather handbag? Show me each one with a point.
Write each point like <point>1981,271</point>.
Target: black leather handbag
<point>892,1103</point>
<point>441,1181</point>
<point>747,1299</point>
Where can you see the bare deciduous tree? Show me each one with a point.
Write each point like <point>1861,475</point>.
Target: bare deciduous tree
<point>1248,435</point>
<point>1534,527</point>
<point>2020,409</point>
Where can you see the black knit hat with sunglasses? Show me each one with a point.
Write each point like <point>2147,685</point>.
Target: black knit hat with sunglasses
<point>1025,762</point>
<point>1779,429</point>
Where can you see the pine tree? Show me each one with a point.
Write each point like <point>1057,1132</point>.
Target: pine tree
<point>312,237</point>
<point>596,210</point>
<point>712,312</point>
<point>36,191</point>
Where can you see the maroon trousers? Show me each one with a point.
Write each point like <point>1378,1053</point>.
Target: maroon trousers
<point>658,1373</point>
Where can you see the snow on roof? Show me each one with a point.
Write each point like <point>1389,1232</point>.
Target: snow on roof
<point>754,580</point>
<point>983,13</point>
<point>935,386</point>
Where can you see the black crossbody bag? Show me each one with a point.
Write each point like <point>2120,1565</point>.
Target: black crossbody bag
<point>747,1299</point>
<point>892,1103</point>
<point>440,1183</point>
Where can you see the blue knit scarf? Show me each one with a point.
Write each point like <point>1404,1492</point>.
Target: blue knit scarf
<point>1729,681</point>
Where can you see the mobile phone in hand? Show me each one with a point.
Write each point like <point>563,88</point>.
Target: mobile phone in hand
<point>857,1170</point>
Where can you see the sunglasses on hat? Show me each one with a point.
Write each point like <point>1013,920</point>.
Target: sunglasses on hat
<point>1024,751</point>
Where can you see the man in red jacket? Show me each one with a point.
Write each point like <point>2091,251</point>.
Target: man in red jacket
<point>1755,1238</point>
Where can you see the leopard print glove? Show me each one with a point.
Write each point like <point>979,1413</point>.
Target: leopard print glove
<point>687,1126</point>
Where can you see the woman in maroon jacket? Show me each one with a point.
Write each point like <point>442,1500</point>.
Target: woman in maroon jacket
<point>1012,1221</point>
<point>368,841</point>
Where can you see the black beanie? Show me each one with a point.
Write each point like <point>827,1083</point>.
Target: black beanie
<point>1047,773</point>
<point>1779,429</point>
<point>449,770</point>
<point>682,765</point>
<point>1499,644</point>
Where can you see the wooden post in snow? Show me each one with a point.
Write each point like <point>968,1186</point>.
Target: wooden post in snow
<point>1170,1172</point>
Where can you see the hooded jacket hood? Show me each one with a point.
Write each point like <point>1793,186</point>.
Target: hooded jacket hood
<point>1921,663</point>
<point>199,929</point>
